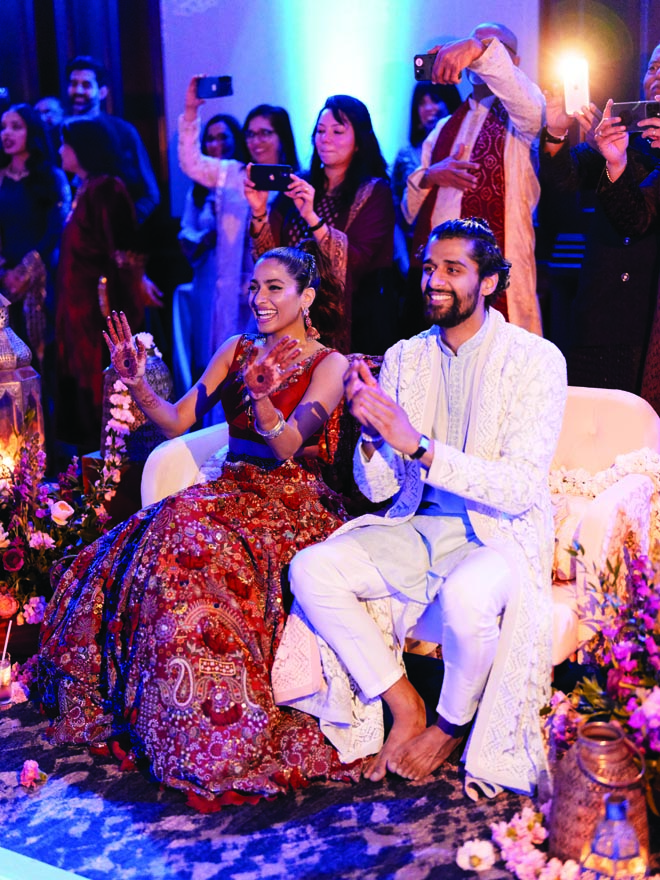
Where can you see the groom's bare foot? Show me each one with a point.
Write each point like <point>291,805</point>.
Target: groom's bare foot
<point>420,756</point>
<point>409,714</point>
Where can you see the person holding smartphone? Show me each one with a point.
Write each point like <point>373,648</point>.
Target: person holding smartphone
<point>478,161</point>
<point>269,139</point>
<point>632,206</point>
<point>345,203</point>
<point>192,304</point>
<point>607,343</point>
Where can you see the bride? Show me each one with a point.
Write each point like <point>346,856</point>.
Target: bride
<point>162,634</point>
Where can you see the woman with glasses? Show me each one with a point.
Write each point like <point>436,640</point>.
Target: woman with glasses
<point>192,305</point>
<point>269,139</point>
<point>345,203</point>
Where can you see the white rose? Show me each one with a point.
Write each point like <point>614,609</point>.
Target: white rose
<point>60,512</point>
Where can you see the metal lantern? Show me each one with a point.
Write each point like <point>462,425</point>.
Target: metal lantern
<point>20,390</point>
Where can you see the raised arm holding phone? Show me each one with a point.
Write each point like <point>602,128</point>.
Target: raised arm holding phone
<point>269,139</point>
<point>607,337</point>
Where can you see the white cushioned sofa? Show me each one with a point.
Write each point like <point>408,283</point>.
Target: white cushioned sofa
<point>604,481</point>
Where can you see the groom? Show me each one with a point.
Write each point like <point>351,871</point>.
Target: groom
<point>459,431</point>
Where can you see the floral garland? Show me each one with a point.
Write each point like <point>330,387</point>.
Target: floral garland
<point>118,427</point>
<point>42,522</point>
<point>580,482</point>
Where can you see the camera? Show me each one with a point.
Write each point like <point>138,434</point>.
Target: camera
<point>271,177</point>
<point>214,87</point>
<point>631,113</point>
<point>423,67</point>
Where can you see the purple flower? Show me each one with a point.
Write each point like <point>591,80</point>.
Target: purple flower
<point>654,740</point>
<point>638,719</point>
<point>623,650</point>
<point>650,645</point>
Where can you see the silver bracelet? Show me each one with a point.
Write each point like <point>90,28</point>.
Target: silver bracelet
<point>275,431</point>
<point>377,440</point>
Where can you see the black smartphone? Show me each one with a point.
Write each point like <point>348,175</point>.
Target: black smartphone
<point>632,112</point>
<point>214,87</point>
<point>423,66</point>
<point>271,177</point>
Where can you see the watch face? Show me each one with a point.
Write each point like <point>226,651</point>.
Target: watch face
<point>424,443</point>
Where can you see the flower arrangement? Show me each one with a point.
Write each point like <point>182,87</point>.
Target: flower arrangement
<point>31,775</point>
<point>626,684</point>
<point>42,522</point>
<point>518,842</point>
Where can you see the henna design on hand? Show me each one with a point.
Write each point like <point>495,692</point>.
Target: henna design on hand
<point>263,375</point>
<point>127,357</point>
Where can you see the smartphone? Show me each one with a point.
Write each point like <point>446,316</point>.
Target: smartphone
<point>271,177</point>
<point>631,113</point>
<point>214,87</point>
<point>576,85</point>
<point>423,67</point>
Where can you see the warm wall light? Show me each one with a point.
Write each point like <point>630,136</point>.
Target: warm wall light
<point>574,72</point>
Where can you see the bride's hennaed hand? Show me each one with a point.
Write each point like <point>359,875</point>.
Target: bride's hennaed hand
<point>129,358</point>
<point>263,375</point>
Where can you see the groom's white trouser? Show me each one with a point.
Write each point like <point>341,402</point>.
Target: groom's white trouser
<point>329,580</point>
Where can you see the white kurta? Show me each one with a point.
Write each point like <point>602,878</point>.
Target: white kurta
<point>503,476</point>
<point>525,104</point>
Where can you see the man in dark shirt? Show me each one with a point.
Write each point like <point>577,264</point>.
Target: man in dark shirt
<point>86,89</point>
<point>607,342</point>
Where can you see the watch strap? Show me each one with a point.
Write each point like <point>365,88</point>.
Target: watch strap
<point>424,443</point>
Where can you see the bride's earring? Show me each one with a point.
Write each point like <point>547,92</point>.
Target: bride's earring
<point>310,330</point>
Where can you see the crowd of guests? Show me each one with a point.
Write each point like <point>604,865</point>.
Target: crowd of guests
<point>168,634</point>
<point>69,219</point>
<point>485,156</point>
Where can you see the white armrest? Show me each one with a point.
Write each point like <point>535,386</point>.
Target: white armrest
<point>607,523</point>
<point>175,464</point>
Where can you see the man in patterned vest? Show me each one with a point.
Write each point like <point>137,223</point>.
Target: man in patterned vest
<point>459,431</point>
<point>476,162</point>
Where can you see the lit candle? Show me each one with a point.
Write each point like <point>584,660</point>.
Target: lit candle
<point>5,679</point>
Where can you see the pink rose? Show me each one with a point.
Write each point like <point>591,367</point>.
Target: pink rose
<point>60,512</point>
<point>12,559</point>
<point>8,605</point>
<point>32,775</point>
<point>41,541</point>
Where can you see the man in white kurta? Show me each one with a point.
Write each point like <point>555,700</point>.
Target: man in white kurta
<point>490,57</point>
<point>460,432</point>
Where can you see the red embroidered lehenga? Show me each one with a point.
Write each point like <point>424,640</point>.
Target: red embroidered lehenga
<point>165,629</point>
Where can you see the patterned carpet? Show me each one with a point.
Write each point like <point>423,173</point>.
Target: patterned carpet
<point>96,821</point>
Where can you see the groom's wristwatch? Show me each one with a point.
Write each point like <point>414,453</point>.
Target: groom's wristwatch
<point>424,443</point>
